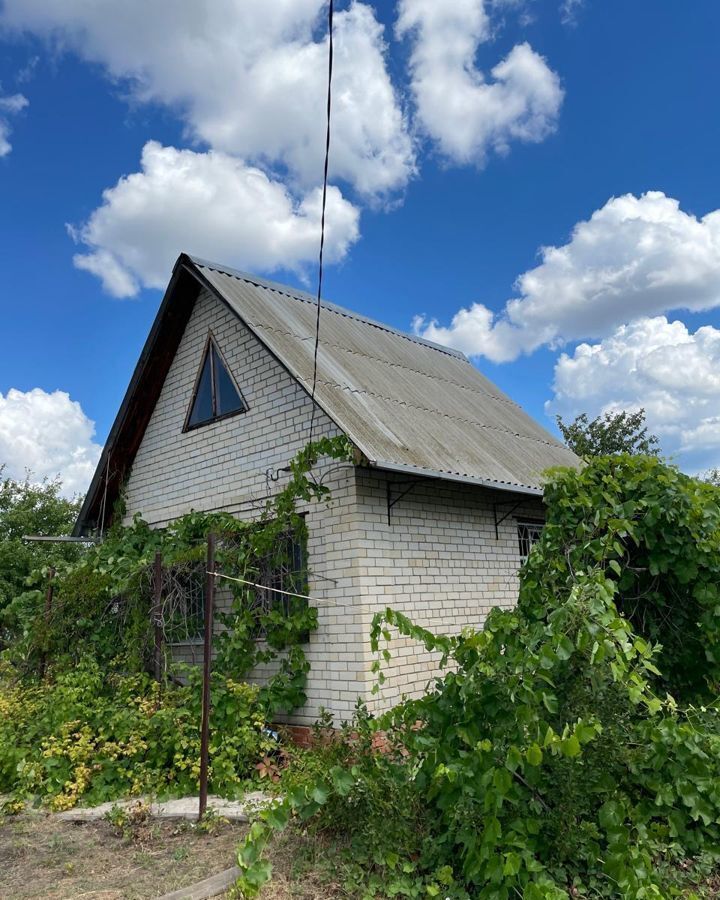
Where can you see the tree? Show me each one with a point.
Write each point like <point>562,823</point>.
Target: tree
<point>711,476</point>
<point>608,435</point>
<point>30,508</point>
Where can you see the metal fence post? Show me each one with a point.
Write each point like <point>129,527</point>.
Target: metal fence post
<point>157,616</point>
<point>48,610</point>
<point>207,662</point>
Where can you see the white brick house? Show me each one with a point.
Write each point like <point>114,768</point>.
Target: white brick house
<point>431,521</point>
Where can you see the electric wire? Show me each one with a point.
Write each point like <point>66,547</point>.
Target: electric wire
<point>322,216</point>
<point>265,587</point>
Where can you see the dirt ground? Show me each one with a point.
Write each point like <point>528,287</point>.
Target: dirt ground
<point>41,856</point>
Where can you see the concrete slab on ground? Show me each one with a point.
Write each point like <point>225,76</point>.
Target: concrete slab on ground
<point>182,808</point>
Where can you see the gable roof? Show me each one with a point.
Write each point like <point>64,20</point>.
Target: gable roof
<point>407,404</point>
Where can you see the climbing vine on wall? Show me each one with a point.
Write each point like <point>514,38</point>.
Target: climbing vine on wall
<point>98,725</point>
<point>571,748</point>
<point>103,604</point>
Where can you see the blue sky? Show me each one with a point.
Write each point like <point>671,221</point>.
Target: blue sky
<point>450,175</point>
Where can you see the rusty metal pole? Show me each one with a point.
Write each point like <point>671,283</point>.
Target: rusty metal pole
<point>157,616</point>
<point>48,610</point>
<point>49,593</point>
<point>207,663</point>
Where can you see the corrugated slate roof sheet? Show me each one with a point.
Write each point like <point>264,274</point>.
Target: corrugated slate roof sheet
<point>407,404</point>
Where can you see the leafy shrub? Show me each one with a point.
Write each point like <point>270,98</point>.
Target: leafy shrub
<point>98,737</point>
<point>548,761</point>
<point>94,724</point>
<point>363,794</point>
<point>29,508</point>
<point>656,534</point>
<point>103,601</point>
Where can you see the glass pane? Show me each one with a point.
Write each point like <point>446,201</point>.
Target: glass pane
<point>528,534</point>
<point>202,408</point>
<point>226,394</point>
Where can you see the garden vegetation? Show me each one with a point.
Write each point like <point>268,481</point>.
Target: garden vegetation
<point>568,748</point>
<point>82,718</point>
<point>572,746</point>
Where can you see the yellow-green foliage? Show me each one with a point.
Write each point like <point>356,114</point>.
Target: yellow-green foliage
<point>98,737</point>
<point>79,715</point>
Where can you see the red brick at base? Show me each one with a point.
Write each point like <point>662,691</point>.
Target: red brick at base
<point>304,736</point>
<point>300,735</point>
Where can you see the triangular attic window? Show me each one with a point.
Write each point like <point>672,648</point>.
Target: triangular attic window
<point>216,394</point>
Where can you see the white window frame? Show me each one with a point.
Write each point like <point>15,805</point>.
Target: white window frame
<point>529,531</point>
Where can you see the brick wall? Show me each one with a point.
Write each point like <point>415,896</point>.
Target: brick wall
<point>438,560</point>
<point>222,466</point>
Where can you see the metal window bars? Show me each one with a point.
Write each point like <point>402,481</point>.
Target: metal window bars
<point>179,588</point>
<point>283,569</point>
<point>529,531</point>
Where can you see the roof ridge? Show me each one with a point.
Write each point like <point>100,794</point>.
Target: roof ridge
<point>305,297</point>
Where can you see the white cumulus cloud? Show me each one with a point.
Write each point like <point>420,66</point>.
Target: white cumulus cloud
<point>464,112</point>
<point>636,256</point>
<point>10,104</point>
<point>248,78</point>
<point>47,435</point>
<point>210,204</point>
<point>656,364</point>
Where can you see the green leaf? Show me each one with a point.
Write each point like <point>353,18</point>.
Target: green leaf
<point>343,780</point>
<point>502,781</point>
<point>320,794</point>
<point>247,854</point>
<point>570,746</point>
<point>277,817</point>
<point>534,755</point>
<point>258,873</point>
<point>610,816</point>
<point>565,647</point>
<point>513,760</point>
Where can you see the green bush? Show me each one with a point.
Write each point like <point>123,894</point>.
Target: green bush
<point>656,534</point>
<point>549,761</point>
<point>79,715</point>
<point>28,508</point>
<point>100,737</point>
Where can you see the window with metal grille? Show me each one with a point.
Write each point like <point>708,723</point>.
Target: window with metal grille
<point>184,602</point>
<point>529,531</point>
<point>284,569</point>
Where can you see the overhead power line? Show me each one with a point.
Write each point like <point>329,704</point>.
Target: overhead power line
<point>322,216</point>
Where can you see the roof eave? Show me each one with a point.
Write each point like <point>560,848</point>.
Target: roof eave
<point>96,484</point>
<point>507,487</point>
<point>421,472</point>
